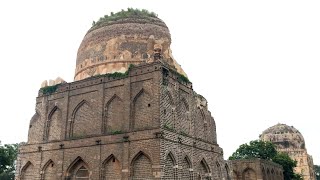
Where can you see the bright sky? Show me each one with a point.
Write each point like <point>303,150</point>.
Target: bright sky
<point>256,62</point>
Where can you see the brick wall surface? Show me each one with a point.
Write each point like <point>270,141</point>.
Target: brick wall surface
<point>145,126</point>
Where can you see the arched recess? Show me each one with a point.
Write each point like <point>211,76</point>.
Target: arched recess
<point>78,170</point>
<point>264,175</point>
<point>183,116</point>
<point>227,171</point>
<point>205,125</point>
<point>249,174</point>
<point>199,124</point>
<point>186,168</point>
<point>218,169</point>
<point>111,168</point>
<point>204,170</point>
<point>49,171</point>
<point>35,129</point>
<point>54,123</point>
<point>235,175</point>
<point>83,121</point>
<point>114,115</point>
<point>268,174</point>
<point>142,111</point>
<point>141,167</point>
<point>28,172</point>
<point>273,175</point>
<point>169,167</point>
<point>168,110</point>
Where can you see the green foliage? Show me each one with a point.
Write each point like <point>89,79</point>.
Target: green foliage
<point>183,133</point>
<point>79,135</point>
<point>317,171</point>
<point>297,177</point>
<point>255,149</point>
<point>180,77</point>
<point>7,176</point>
<point>8,155</point>
<point>116,132</point>
<point>288,164</point>
<point>130,12</point>
<point>117,74</point>
<point>267,150</point>
<point>168,127</point>
<point>183,78</point>
<point>49,89</point>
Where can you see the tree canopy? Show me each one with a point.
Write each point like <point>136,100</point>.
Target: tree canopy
<point>317,171</point>
<point>8,155</point>
<point>287,164</point>
<point>266,150</point>
<point>255,149</point>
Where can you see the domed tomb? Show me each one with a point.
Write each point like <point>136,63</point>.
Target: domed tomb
<point>284,137</point>
<point>289,140</point>
<point>124,38</point>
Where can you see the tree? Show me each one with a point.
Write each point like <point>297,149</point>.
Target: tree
<point>255,149</point>
<point>287,164</point>
<point>266,150</point>
<point>8,155</point>
<point>317,171</point>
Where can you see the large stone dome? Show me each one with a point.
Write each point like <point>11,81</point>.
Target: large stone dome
<point>284,137</point>
<point>124,38</point>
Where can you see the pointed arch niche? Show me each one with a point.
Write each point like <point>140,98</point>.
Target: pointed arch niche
<point>186,168</point>
<point>114,115</point>
<point>204,170</point>
<point>83,121</point>
<point>249,174</point>
<point>78,170</point>
<point>142,111</point>
<point>28,171</point>
<point>49,171</point>
<point>54,123</point>
<point>141,167</point>
<point>168,110</point>
<point>111,168</point>
<point>169,167</point>
<point>183,116</point>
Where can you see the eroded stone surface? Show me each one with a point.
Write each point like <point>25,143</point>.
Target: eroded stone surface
<point>113,47</point>
<point>44,83</point>
<point>289,140</point>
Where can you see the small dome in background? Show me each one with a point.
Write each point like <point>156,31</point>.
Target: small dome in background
<point>284,137</point>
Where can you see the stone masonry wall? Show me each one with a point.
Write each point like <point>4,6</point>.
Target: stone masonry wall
<point>147,125</point>
<point>256,169</point>
<point>189,148</point>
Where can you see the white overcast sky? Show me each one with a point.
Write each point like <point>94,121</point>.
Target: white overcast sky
<point>256,62</point>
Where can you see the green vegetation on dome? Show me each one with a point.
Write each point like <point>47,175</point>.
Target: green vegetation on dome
<point>115,74</point>
<point>130,12</point>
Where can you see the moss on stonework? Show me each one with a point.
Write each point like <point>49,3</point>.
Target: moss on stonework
<point>116,74</point>
<point>183,133</point>
<point>168,127</point>
<point>116,132</point>
<point>181,77</point>
<point>49,89</point>
<point>129,13</point>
